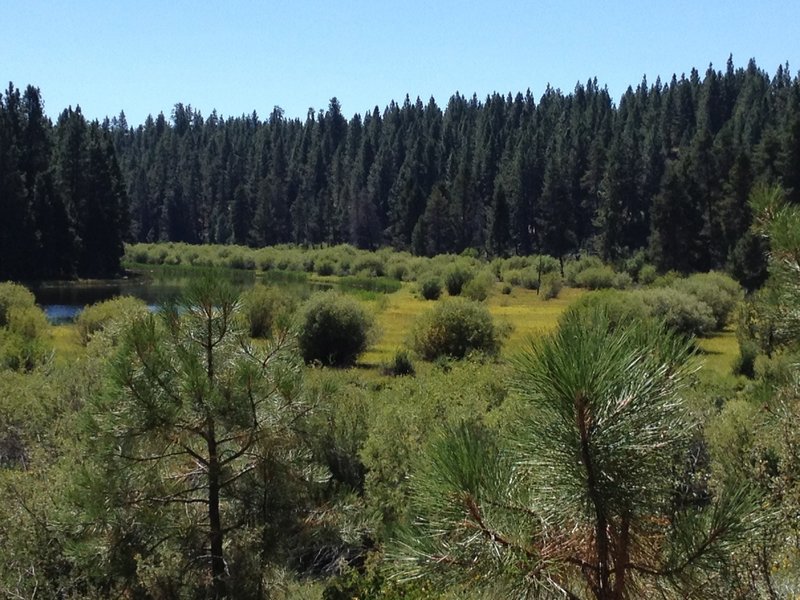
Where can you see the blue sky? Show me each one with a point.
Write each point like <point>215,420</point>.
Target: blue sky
<point>240,56</point>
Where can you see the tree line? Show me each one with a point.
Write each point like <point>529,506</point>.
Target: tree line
<point>62,194</point>
<point>666,171</point>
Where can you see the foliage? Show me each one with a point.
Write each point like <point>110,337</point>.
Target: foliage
<point>479,286</point>
<point>454,328</point>
<point>430,288</point>
<point>23,327</point>
<point>197,427</point>
<point>332,329</point>
<point>456,278</point>
<point>267,309</point>
<point>595,278</point>
<point>401,364</point>
<point>720,292</point>
<point>552,507</point>
<point>679,311</point>
<point>109,313</point>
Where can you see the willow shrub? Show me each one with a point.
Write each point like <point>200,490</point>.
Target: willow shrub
<point>333,329</point>
<point>454,328</point>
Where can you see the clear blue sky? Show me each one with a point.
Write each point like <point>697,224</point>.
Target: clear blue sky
<point>238,56</point>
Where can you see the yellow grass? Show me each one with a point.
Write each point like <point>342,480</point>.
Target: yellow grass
<point>528,314</point>
<point>64,339</point>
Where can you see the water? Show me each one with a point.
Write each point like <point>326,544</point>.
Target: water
<point>62,302</point>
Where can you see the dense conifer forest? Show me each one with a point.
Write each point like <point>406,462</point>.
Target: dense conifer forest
<point>524,391</point>
<point>666,169</point>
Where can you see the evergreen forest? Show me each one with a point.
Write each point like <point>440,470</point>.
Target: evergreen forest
<point>668,170</point>
<point>509,348</point>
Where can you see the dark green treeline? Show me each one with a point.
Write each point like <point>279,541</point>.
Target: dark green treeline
<point>63,207</point>
<point>667,170</point>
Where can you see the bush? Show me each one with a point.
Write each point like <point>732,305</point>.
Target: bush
<point>647,274</point>
<point>455,279</point>
<point>575,267</point>
<point>333,329</point>
<point>551,287</point>
<point>430,288</point>
<point>266,308</point>
<point>620,308</point>
<point>527,278</point>
<point>479,287</point>
<point>719,291</point>
<point>13,295</point>
<point>454,328</point>
<point>325,268</point>
<point>680,311</point>
<point>595,278</point>
<point>745,363</point>
<point>400,365</point>
<point>99,316</point>
<point>506,289</point>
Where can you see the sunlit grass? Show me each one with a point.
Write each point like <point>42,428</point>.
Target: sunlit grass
<point>64,339</point>
<point>719,352</point>
<point>528,314</point>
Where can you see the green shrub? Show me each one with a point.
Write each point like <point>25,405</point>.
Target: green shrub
<point>719,291</point>
<point>527,278</point>
<point>647,274</point>
<point>573,268</point>
<point>265,309</point>
<point>13,295</point>
<point>401,365</point>
<point>551,286</point>
<point>430,288</point>
<point>455,279</point>
<point>745,363</point>
<point>99,316</point>
<point>621,281</point>
<point>479,287</point>
<point>369,265</point>
<point>680,311</point>
<point>595,277</point>
<point>333,329</point>
<point>454,328</point>
<point>619,307</point>
<point>325,268</point>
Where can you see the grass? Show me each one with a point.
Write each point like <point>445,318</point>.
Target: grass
<point>719,352</point>
<point>66,345</point>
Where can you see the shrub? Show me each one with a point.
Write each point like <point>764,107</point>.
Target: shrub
<point>506,289</point>
<point>454,328</point>
<point>574,267</point>
<point>527,278</point>
<point>479,287</point>
<point>333,329</point>
<point>13,295</point>
<point>455,279</point>
<point>369,265</point>
<point>620,308</point>
<point>647,274</point>
<point>595,277</point>
<point>622,281</point>
<point>266,308</point>
<point>430,288</point>
<point>551,286</point>
<point>745,363</point>
<point>325,268</point>
<point>99,316</point>
<point>401,365</point>
<point>719,291</point>
<point>680,311</point>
